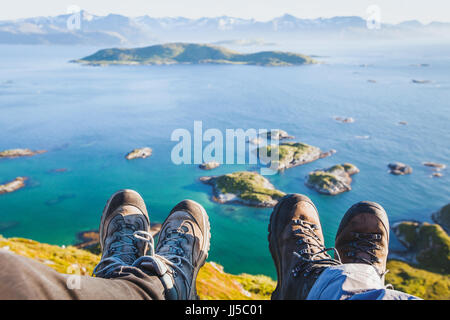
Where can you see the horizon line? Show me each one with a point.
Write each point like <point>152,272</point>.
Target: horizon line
<point>223,16</point>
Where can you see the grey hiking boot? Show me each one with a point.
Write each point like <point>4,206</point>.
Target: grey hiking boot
<point>297,247</point>
<point>182,250</point>
<point>124,224</point>
<point>363,236</point>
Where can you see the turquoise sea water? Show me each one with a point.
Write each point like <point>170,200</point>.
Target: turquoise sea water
<point>88,118</point>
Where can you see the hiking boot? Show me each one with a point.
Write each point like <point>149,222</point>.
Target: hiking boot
<point>363,236</point>
<point>182,250</point>
<point>124,222</point>
<point>297,247</point>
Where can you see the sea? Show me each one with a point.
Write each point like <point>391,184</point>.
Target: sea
<point>88,118</point>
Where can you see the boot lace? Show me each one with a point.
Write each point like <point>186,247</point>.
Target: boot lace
<point>174,255</point>
<point>364,243</point>
<point>312,254</point>
<point>124,243</point>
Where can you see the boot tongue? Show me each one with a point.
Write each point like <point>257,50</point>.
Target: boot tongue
<point>127,244</point>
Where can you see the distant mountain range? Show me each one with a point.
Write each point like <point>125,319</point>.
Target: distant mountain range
<point>115,29</point>
<point>191,53</point>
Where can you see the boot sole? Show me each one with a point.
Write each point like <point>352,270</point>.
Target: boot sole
<point>273,243</point>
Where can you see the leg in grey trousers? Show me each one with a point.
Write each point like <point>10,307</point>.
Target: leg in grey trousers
<point>22,278</point>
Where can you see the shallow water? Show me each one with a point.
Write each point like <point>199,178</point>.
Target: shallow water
<point>88,118</point>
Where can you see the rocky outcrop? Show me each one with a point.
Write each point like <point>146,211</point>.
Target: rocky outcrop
<point>12,186</point>
<point>344,120</point>
<point>427,245</point>
<point>442,217</point>
<point>420,81</point>
<point>399,168</point>
<point>209,165</point>
<point>16,153</point>
<point>243,187</point>
<point>90,240</point>
<point>139,153</point>
<point>276,134</point>
<point>291,154</point>
<point>213,283</point>
<point>332,181</point>
<point>436,167</point>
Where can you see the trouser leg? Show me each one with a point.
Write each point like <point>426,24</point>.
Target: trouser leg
<point>353,281</point>
<point>24,278</point>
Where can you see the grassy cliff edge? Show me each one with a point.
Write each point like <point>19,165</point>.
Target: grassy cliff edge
<point>212,282</point>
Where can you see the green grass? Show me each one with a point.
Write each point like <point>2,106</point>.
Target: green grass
<point>408,232</point>
<point>434,248</point>
<point>349,167</point>
<point>55,257</point>
<point>430,242</point>
<point>248,186</point>
<point>444,215</point>
<point>287,150</point>
<point>193,54</point>
<point>421,283</point>
<point>322,179</point>
<point>212,281</point>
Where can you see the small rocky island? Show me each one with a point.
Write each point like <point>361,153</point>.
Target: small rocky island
<point>243,187</point>
<point>291,154</point>
<point>436,166</point>
<point>209,165</point>
<point>139,153</point>
<point>16,153</point>
<point>344,119</point>
<point>191,53</point>
<point>332,181</point>
<point>420,81</point>
<point>399,168</point>
<point>13,185</point>
<point>276,135</point>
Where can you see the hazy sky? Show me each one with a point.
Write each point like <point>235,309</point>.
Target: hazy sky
<point>391,10</point>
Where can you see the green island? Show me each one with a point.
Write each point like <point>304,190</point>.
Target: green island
<point>212,282</point>
<point>191,53</point>
<point>333,180</point>
<point>290,154</point>
<point>428,245</point>
<point>423,268</point>
<point>243,187</point>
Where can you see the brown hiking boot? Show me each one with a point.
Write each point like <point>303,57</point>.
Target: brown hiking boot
<point>297,247</point>
<point>363,236</point>
<point>182,250</point>
<point>124,218</point>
